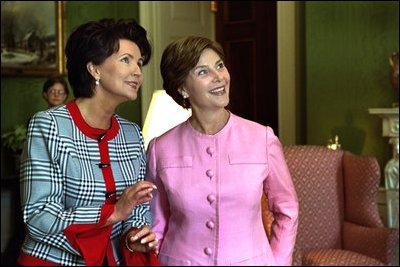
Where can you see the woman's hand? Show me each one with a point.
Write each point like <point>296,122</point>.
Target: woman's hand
<point>131,197</point>
<point>141,240</point>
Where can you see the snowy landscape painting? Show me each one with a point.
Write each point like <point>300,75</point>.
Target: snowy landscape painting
<point>30,37</point>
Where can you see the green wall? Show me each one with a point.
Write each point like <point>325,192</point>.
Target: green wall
<point>21,96</point>
<point>347,45</point>
<point>346,71</point>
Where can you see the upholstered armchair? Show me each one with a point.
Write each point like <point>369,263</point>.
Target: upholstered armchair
<point>339,222</point>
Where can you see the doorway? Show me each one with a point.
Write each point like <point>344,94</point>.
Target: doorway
<point>247,30</point>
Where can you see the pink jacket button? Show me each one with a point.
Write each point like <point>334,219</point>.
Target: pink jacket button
<point>210,225</point>
<point>210,173</point>
<point>210,151</point>
<point>208,251</point>
<point>211,198</point>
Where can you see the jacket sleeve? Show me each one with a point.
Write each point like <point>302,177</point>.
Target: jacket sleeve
<point>91,240</point>
<point>159,204</point>
<point>283,202</point>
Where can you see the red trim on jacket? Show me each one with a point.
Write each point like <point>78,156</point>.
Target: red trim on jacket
<point>92,240</point>
<point>28,260</point>
<point>89,131</point>
<point>107,170</point>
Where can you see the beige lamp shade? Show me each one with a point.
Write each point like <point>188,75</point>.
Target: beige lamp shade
<point>163,114</point>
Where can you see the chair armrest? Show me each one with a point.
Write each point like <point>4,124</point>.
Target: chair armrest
<point>379,243</point>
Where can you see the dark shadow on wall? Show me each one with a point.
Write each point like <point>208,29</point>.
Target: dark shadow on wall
<point>13,248</point>
<point>351,138</point>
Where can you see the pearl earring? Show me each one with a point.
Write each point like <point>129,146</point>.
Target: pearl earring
<point>184,95</point>
<point>97,82</point>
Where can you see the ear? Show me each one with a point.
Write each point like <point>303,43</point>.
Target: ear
<point>183,93</point>
<point>44,94</point>
<point>93,70</point>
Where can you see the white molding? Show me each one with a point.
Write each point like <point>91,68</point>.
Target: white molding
<point>149,19</point>
<point>287,71</point>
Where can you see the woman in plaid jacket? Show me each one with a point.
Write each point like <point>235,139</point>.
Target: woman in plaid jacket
<point>84,198</point>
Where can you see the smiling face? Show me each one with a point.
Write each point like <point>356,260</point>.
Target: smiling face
<point>120,74</point>
<point>207,84</point>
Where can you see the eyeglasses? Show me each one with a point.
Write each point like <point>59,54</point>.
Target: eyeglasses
<point>54,92</point>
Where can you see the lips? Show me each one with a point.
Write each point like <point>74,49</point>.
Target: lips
<point>133,84</point>
<point>218,90</point>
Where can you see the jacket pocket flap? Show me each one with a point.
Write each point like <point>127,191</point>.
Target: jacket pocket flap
<point>175,162</point>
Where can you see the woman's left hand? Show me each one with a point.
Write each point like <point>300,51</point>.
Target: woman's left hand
<point>141,239</point>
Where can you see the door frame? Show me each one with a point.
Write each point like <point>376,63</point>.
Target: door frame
<point>289,62</point>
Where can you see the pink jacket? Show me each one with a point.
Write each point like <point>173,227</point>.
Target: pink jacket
<point>207,208</point>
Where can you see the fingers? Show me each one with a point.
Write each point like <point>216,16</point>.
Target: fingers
<point>142,192</point>
<point>142,239</point>
<point>153,244</point>
<point>144,184</point>
<point>145,193</point>
<point>136,194</point>
<point>138,233</point>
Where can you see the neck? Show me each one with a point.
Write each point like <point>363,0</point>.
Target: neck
<point>95,114</point>
<point>210,123</point>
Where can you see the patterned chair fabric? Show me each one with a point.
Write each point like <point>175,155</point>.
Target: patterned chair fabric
<point>339,223</point>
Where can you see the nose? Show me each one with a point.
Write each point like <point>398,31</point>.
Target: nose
<point>137,70</point>
<point>217,75</point>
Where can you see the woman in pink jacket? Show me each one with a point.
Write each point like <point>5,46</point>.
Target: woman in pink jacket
<point>212,170</point>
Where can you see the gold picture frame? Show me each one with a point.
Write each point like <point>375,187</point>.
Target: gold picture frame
<point>32,42</point>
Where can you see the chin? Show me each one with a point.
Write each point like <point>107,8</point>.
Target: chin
<point>225,102</point>
<point>132,96</point>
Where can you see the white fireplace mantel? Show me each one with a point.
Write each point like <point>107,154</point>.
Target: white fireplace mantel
<point>390,128</point>
<point>390,120</point>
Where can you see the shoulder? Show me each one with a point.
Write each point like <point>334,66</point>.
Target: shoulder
<point>172,133</point>
<point>130,132</point>
<point>50,115</point>
<point>256,132</point>
<point>250,126</point>
<point>127,126</point>
<point>167,139</point>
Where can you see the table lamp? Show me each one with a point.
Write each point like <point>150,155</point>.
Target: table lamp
<point>163,114</point>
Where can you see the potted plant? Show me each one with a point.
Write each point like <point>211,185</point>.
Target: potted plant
<point>14,141</point>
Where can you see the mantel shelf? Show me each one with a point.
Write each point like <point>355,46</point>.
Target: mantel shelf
<point>390,120</point>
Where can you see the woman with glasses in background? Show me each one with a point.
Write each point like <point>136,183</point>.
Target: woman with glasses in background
<point>55,91</point>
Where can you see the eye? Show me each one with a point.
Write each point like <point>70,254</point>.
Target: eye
<point>220,65</point>
<point>125,60</point>
<point>202,72</point>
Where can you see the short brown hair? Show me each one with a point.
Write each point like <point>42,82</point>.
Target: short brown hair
<point>53,80</point>
<point>179,58</point>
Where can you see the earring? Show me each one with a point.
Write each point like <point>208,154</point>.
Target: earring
<point>97,82</point>
<point>184,95</point>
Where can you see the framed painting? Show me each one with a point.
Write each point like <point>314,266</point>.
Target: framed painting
<point>32,38</point>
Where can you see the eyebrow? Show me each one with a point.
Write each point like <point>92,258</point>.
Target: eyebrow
<point>131,56</point>
<point>206,66</point>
